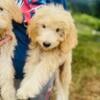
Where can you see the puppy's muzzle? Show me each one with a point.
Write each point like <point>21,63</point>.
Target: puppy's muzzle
<point>46,44</point>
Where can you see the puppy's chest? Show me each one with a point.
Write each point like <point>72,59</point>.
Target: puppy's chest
<point>7,48</point>
<point>4,50</point>
<point>53,55</point>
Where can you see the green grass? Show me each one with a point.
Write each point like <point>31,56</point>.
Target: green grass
<point>88,20</point>
<point>86,57</point>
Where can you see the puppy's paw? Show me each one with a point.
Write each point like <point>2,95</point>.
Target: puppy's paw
<point>24,94</point>
<point>21,94</point>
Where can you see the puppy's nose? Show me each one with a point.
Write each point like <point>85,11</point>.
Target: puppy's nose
<point>46,44</point>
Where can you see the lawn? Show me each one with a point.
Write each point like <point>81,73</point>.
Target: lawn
<point>86,59</point>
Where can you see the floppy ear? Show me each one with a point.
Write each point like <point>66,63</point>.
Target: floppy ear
<point>13,9</point>
<point>32,29</point>
<point>70,40</point>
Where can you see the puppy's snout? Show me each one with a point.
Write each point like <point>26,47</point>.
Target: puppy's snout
<point>46,44</point>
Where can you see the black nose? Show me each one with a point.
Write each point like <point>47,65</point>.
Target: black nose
<point>46,44</point>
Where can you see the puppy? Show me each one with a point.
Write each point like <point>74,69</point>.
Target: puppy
<point>53,36</point>
<point>8,12</point>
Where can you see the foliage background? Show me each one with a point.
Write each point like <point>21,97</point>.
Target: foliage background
<point>86,56</point>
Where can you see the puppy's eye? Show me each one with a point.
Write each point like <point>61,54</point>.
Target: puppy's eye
<point>1,9</point>
<point>58,29</point>
<point>44,26</point>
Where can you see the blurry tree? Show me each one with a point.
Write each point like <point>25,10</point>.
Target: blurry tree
<point>85,6</point>
<point>97,8</point>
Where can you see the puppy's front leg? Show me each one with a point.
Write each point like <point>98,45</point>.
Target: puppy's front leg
<point>7,80</point>
<point>41,75</point>
<point>63,81</point>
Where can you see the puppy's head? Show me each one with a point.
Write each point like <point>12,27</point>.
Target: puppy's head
<point>53,27</point>
<point>8,12</point>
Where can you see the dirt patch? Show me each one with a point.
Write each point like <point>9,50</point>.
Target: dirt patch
<point>89,90</point>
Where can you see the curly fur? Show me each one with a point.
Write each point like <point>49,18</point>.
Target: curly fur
<point>8,12</point>
<point>51,24</point>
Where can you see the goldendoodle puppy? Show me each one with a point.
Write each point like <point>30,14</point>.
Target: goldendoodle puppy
<point>8,12</point>
<point>53,36</point>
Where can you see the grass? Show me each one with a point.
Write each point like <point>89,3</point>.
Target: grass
<point>86,60</point>
<point>88,20</point>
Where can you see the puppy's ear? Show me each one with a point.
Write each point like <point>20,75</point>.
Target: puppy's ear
<point>32,29</point>
<point>70,40</point>
<point>33,25</point>
<point>13,9</point>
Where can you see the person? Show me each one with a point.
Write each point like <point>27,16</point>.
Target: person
<point>28,8</point>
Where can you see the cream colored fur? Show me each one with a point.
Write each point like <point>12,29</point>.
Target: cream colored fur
<point>8,12</point>
<point>51,24</point>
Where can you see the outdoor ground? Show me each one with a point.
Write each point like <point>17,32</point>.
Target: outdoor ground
<point>86,59</point>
